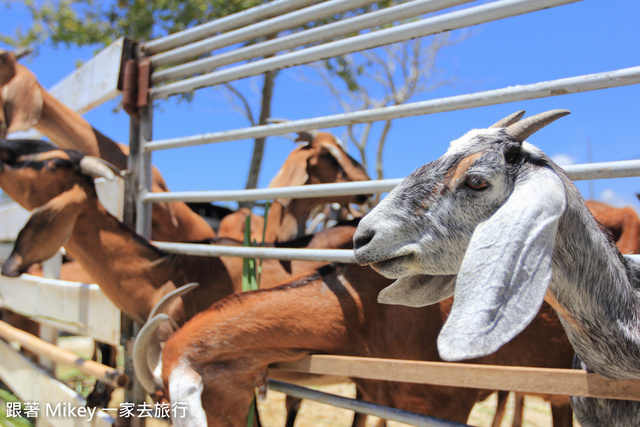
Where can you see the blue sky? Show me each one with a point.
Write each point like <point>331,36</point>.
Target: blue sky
<point>590,36</point>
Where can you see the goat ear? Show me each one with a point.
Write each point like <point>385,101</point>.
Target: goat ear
<point>48,229</point>
<point>22,102</point>
<point>506,269</point>
<point>418,291</point>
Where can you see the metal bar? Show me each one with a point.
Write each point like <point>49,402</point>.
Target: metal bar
<point>588,82</point>
<point>344,256</point>
<point>446,22</point>
<point>305,191</point>
<point>313,35</point>
<point>326,255</point>
<point>271,26</point>
<point>619,169</point>
<point>368,408</point>
<point>223,24</point>
<point>604,170</point>
<point>143,167</point>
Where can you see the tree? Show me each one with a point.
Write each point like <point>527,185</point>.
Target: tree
<point>385,76</point>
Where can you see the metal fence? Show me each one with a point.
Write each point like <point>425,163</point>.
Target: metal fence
<point>184,70</point>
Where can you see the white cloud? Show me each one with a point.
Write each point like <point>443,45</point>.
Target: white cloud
<point>610,196</point>
<point>563,159</point>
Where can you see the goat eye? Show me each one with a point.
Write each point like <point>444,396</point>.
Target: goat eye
<point>476,183</point>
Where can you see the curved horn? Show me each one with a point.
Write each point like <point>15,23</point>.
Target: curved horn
<point>166,300</point>
<point>523,129</point>
<point>509,120</point>
<point>143,340</point>
<point>21,52</point>
<point>98,168</point>
<point>306,136</point>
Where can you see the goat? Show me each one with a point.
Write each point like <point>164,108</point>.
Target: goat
<point>25,104</point>
<point>320,160</point>
<point>622,223</point>
<point>58,186</point>
<point>498,213</point>
<point>214,361</point>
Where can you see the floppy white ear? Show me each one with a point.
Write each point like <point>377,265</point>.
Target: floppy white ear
<point>506,269</point>
<point>418,291</point>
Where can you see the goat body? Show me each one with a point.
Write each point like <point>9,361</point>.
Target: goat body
<point>225,350</point>
<point>499,214</point>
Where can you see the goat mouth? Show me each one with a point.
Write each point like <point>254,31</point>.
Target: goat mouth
<point>392,268</point>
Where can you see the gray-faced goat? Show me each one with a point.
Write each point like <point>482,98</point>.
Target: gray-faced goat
<point>498,213</point>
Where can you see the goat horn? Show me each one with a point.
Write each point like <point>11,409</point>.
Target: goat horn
<point>98,168</point>
<point>523,129</point>
<point>164,302</point>
<point>306,136</point>
<point>140,346</point>
<point>509,120</point>
<point>21,52</point>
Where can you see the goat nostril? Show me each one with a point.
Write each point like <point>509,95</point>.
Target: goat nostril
<point>363,238</point>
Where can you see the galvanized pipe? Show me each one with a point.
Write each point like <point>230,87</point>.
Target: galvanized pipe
<point>271,26</point>
<point>327,255</point>
<point>223,24</point>
<point>623,77</point>
<point>429,26</point>
<point>368,408</point>
<point>344,256</point>
<point>604,170</point>
<point>313,35</point>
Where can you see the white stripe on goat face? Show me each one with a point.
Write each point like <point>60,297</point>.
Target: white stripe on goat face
<point>424,225</point>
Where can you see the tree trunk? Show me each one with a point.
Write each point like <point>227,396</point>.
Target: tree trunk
<point>259,143</point>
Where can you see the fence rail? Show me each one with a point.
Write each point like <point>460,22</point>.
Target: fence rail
<point>428,26</point>
<point>588,82</point>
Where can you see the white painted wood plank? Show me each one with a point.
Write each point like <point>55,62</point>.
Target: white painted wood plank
<point>94,83</point>
<point>73,307</point>
<point>32,384</point>
<point>12,219</point>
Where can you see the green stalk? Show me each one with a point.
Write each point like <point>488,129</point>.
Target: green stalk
<point>251,272</point>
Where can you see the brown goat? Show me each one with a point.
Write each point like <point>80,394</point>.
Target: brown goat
<point>25,104</point>
<point>320,160</point>
<point>214,361</point>
<point>134,274</point>
<point>622,223</point>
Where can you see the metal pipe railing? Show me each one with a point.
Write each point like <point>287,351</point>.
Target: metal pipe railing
<point>325,255</point>
<point>223,24</point>
<point>344,256</point>
<point>603,170</point>
<point>584,83</point>
<point>264,28</point>
<point>459,19</point>
<point>314,35</point>
<point>368,408</point>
